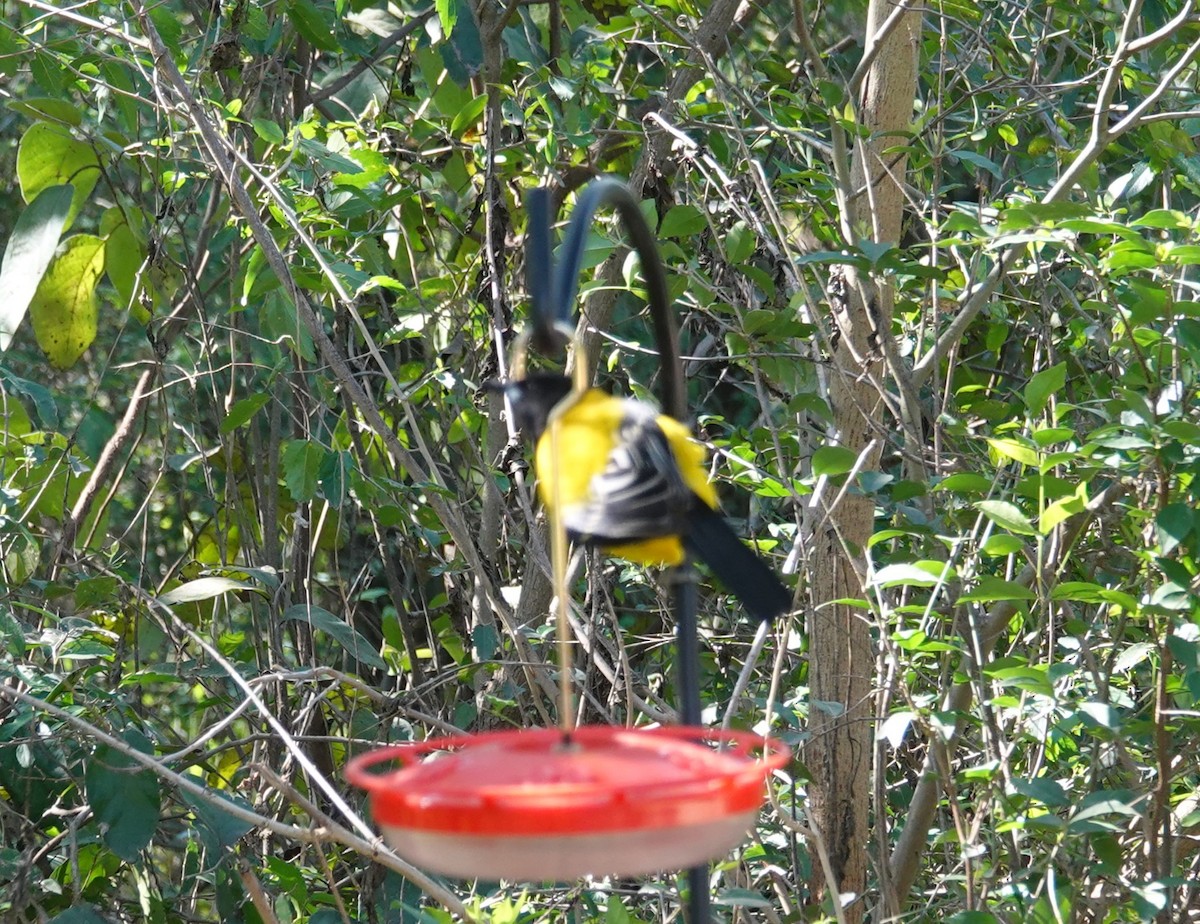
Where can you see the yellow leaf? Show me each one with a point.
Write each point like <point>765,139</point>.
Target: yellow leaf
<point>64,309</point>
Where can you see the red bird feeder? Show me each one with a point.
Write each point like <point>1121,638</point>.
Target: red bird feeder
<point>560,804</point>
<point>529,805</point>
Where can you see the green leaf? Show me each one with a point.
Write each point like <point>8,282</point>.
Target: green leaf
<point>310,22</point>
<point>218,828</point>
<point>682,221</point>
<point>875,251</point>
<point>1183,254</point>
<point>1162,218</point>
<point>616,912</point>
<point>740,242</point>
<point>64,309</point>
<point>998,545</point>
<point>48,108</point>
<point>1095,225</point>
<point>1102,714</point>
<point>833,460</point>
<point>1048,436</point>
<point>335,162</point>
<point>462,55</point>
<point>486,642</point>
<point>43,401</point>
<point>169,25</point>
<point>1006,515</point>
<point>268,131</point>
<point>243,411</point>
<point>989,589</point>
<point>1173,525</point>
<point>1045,791</point>
<point>124,255</point>
<point>1063,509</point>
<point>1014,449</point>
<point>1087,592</point>
<point>1130,184</point>
<point>447,11</point>
<point>335,473</point>
<point>125,799</point>
<point>832,256</point>
<point>12,635</point>
<point>1032,678</point>
<point>278,321</point>
<point>49,156</point>
<point>372,165</point>
<point>978,160</point>
<point>345,635</point>
<point>94,592</point>
<point>1096,807</point>
<point>914,574</point>
<point>1041,386</point>
<point>206,588</point>
<point>30,249</point>
<point>302,460</point>
<point>468,116</point>
<point>916,640</point>
<point>964,483</point>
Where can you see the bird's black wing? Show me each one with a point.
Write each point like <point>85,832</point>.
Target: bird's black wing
<point>639,494</point>
<point>708,537</point>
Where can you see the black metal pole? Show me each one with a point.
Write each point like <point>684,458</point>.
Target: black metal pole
<point>688,653</point>
<point>552,293</point>
<point>684,579</point>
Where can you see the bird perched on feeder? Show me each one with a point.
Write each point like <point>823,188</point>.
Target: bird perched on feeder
<point>632,481</point>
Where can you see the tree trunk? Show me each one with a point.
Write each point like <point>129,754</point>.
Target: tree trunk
<point>842,661</point>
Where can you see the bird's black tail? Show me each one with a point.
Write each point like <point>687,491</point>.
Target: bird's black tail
<point>710,539</point>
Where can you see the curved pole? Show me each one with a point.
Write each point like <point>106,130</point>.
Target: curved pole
<point>613,192</point>
<point>546,331</point>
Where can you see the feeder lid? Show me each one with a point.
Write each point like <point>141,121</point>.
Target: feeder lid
<point>532,782</point>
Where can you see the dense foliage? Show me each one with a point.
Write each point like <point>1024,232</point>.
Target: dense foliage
<point>257,513</point>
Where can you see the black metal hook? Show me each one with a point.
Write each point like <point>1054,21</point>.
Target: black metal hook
<point>552,289</point>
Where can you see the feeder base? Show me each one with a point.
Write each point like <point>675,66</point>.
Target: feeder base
<point>563,858</point>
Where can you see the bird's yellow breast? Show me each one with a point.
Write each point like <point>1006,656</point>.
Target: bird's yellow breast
<point>576,448</point>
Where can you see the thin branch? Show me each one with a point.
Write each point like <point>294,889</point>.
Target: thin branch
<point>96,24</point>
<point>124,432</point>
<point>385,45</point>
<point>876,43</point>
<point>968,308</point>
<point>369,846</point>
<point>911,844</point>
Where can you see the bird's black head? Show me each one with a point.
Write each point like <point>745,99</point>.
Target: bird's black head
<point>533,398</point>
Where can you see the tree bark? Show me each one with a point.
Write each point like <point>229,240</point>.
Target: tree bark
<point>842,661</point>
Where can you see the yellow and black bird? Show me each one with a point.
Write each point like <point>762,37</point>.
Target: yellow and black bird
<point>632,481</point>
